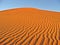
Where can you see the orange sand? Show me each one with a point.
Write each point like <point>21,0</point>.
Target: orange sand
<point>29,26</point>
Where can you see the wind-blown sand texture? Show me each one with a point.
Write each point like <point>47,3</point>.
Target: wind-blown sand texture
<point>29,26</point>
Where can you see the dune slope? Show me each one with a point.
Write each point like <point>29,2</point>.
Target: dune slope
<point>29,26</point>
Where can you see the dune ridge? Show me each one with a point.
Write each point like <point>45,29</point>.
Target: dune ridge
<point>29,26</point>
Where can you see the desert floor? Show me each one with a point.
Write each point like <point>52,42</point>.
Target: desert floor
<point>28,26</point>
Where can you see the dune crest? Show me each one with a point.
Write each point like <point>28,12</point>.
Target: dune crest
<point>29,26</point>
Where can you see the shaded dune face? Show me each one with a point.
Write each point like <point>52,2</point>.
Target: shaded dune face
<point>29,26</point>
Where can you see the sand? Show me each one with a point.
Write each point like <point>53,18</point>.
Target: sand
<point>29,26</point>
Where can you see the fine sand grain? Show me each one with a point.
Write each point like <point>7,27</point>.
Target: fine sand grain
<point>29,26</point>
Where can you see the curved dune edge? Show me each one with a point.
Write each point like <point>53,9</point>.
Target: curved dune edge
<point>29,26</point>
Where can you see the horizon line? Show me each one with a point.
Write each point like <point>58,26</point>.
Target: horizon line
<point>29,7</point>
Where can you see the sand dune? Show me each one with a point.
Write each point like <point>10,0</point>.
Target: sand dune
<point>29,26</point>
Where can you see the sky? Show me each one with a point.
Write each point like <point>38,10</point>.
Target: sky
<point>53,5</point>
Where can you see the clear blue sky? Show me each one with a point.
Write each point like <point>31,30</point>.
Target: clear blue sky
<point>42,4</point>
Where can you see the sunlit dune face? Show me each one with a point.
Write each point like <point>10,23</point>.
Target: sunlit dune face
<point>29,15</point>
<point>29,26</point>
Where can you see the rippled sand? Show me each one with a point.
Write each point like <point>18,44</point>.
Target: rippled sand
<point>29,26</point>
